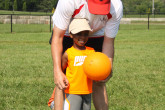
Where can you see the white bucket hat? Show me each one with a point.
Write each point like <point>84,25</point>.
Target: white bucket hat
<point>78,25</point>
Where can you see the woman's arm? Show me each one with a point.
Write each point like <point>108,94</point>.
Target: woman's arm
<point>108,49</point>
<point>56,48</point>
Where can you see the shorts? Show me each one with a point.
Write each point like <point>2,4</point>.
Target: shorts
<point>52,105</point>
<point>95,43</point>
<point>77,102</point>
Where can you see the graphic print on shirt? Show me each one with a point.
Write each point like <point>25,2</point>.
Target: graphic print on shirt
<point>79,60</point>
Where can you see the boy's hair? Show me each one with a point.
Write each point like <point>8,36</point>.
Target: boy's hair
<point>78,25</point>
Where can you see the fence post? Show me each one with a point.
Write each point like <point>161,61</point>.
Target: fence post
<point>50,23</point>
<point>11,24</point>
<point>125,14</point>
<point>148,21</point>
<point>154,14</point>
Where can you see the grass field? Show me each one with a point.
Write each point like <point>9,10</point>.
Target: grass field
<point>24,12</point>
<point>24,28</point>
<point>37,28</point>
<point>26,77</point>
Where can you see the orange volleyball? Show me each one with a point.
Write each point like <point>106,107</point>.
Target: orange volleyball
<point>97,66</point>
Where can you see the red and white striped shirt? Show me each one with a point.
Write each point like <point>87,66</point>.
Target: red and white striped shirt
<point>101,24</point>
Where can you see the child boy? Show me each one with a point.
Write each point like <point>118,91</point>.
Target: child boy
<point>78,94</point>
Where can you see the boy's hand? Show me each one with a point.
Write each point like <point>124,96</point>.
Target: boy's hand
<point>61,81</point>
<point>110,75</point>
<point>105,80</point>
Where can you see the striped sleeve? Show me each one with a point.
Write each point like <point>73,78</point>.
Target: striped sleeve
<point>63,13</point>
<point>112,26</point>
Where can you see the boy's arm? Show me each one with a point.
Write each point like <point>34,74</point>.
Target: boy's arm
<point>64,61</point>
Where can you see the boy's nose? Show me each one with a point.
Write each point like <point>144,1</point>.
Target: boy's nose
<point>82,37</point>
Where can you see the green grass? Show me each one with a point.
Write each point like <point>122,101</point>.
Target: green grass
<point>143,15</point>
<point>141,26</point>
<point>26,77</point>
<point>24,12</point>
<point>26,71</point>
<point>138,82</point>
<point>36,28</point>
<point>146,22</point>
<point>24,28</point>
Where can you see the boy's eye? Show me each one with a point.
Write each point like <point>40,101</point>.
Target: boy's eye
<point>79,34</point>
<point>82,34</point>
<point>86,34</point>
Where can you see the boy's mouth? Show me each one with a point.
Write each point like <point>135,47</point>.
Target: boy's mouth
<point>81,41</point>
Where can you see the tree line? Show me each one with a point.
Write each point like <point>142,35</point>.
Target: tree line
<point>138,6</point>
<point>28,5</point>
<point>144,6</point>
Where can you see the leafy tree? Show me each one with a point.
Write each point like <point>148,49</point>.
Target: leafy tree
<point>2,4</point>
<point>20,4</point>
<point>159,7</point>
<point>162,10</point>
<point>55,3</point>
<point>141,9</point>
<point>7,4</point>
<point>15,5</point>
<point>32,5</point>
<point>138,6</point>
<point>24,6</point>
<point>128,5</point>
<point>45,5</point>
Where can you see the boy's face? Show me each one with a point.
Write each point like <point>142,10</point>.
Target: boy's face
<point>80,38</point>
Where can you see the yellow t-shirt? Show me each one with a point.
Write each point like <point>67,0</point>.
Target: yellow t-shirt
<point>78,81</point>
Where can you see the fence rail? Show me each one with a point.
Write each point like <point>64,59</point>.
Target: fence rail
<point>18,19</point>
<point>43,23</point>
<point>143,15</point>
